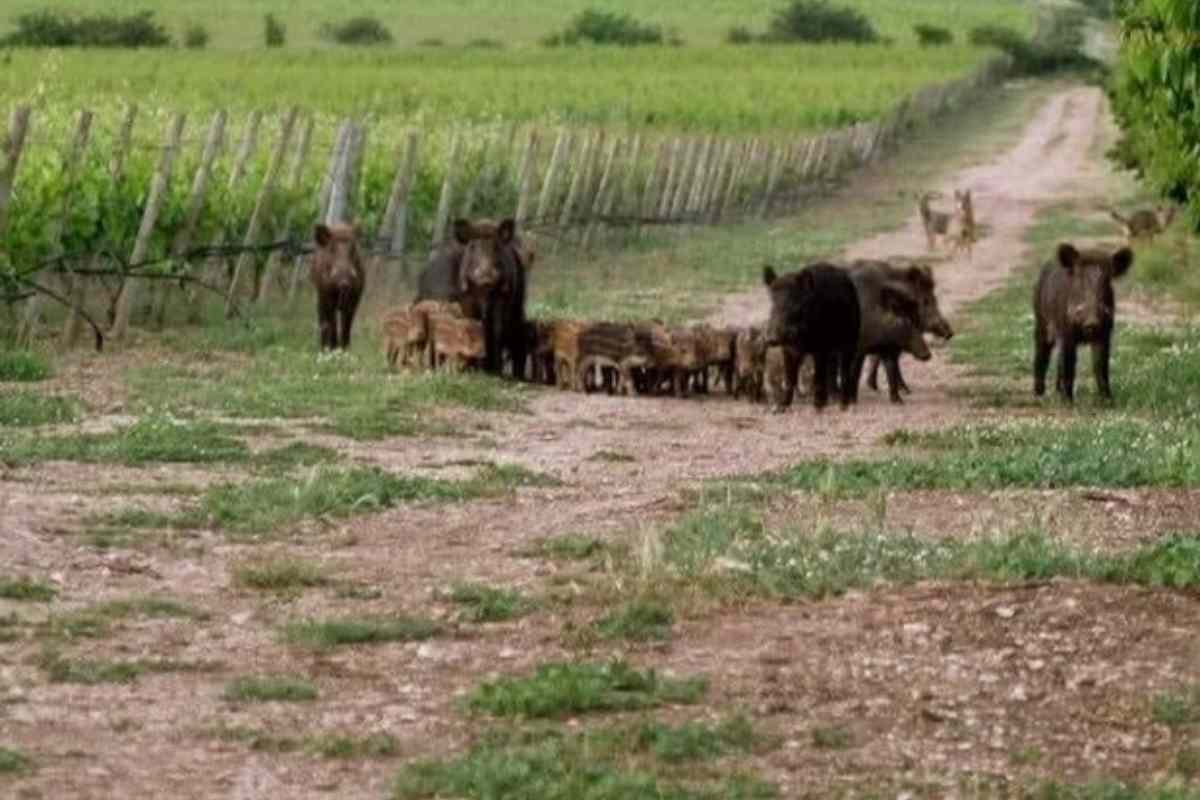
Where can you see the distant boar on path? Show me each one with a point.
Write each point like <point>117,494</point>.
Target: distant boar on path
<point>337,274</point>
<point>815,311</point>
<point>1073,304</point>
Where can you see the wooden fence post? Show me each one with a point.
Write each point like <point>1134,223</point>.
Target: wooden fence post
<point>393,230</point>
<point>648,204</point>
<point>195,204</point>
<point>141,245</point>
<point>342,191</point>
<point>443,209</point>
<point>668,188</point>
<point>776,164</point>
<point>246,259</point>
<point>14,145</point>
<point>468,202</point>
<point>577,179</point>
<point>295,175</point>
<point>562,144</point>
<point>337,155</point>
<point>601,190</point>
<point>525,178</point>
<point>70,171</point>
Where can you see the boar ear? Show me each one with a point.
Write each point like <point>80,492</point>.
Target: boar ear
<point>322,235</point>
<point>769,275</point>
<point>1122,260</point>
<point>462,230</point>
<point>1068,256</point>
<point>506,231</point>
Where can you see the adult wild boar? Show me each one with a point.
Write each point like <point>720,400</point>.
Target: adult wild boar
<point>895,310</point>
<point>1073,304</point>
<point>337,274</point>
<point>918,280</point>
<point>482,269</point>
<point>815,311</point>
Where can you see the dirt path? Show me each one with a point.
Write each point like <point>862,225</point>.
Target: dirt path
<point>671,441</point>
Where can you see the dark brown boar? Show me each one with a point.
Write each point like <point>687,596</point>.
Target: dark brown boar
<point>1073,304</point>
<point>918,278</point>
<point>815,312</point>
<point>337,274</point>
<point>891,321</point>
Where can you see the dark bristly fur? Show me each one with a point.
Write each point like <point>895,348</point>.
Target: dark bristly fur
<point>337,274</point>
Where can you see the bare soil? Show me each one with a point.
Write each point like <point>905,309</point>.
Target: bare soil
<point>929,681</point>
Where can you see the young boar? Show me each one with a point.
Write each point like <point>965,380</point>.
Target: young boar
<point>337,274</point>
<point>1073,304</point>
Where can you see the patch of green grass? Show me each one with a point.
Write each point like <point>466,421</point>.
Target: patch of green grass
<point>1107,790</point>
<point>637,621</point>
<point>263,505</point>
<point>150,440</point>
<point>611,457</point>
<point>695,741</point>
<point>90,672</point>
<point>729,547</point>
<point>514,476</point>
<point>325,634</point>
<point>376,745</point>
<point>1026,755</point>
<point>642,762</point>
<point>831,737</point>
<point>142,518</point>
<point>281,575</point>
<point>27,589</point>
<point>560,689</point>
<point>270,688</point>
<point>1177,709</point>
<point>488,604</point>
<point>13,762</point>
<point>346,393</point>
<point>23,366</point>
<point>27,409</point>
<point>1187,762</point>
<point>296,454</point>
<point>95,621</point>
<point>568,547</point>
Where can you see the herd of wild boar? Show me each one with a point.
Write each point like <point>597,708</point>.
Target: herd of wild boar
<point>469,312</point>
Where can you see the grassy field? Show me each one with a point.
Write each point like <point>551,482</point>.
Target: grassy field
<point>239,25</point>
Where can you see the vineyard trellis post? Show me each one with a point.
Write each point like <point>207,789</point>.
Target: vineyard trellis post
<point>443,210</point>
<point>601,190</point>
<point>70,172</point>
<point>195,204</point>
<point>485,150</point>
<point>127,300</point>
<point>265,191</point>
<point>525,177</point>
<point>393,229</point>
<point>324,195</point>
<point>562,144</point>
<point>295,175</point>
<point>579,167</point>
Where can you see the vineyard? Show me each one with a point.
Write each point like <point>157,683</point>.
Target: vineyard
<point>148,193</point>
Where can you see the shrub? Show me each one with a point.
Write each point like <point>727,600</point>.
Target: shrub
<point>932,35</point>
<point>357,31</point>
<point>432,42</point>
<point>740,34</point>
<point>818,21</point>
<point>195,37</point>
<point>485,43</point>
<point>1059,45</point>
<point>60,29</point>
<point>274,32</point>
<point>606,27</point>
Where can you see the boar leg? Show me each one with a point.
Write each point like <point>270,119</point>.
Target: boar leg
<point>1100,354</point>
<point>1066,369</point>
<point>326,319</point>
<point>348,305</point>
<point>821,379</point>
<point>892,365</point>
<point>873,373</point>
<point>1041,362</point>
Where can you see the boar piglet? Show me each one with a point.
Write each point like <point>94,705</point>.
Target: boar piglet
<point>1073,304</point>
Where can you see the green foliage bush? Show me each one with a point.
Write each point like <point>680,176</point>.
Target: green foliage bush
<point>196,37</point>
<point>1154,98</point>
<point>274,31</point>
<point>357,31</point>
<point>820,21</point>
<point>53,28</point>
<point>606,27</point>
<point>932,35</point>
